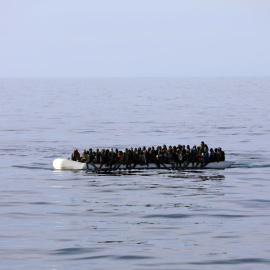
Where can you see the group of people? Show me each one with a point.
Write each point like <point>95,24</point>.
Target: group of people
<point>179,157</point>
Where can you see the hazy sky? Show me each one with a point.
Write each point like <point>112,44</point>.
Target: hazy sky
<point>93,38</point>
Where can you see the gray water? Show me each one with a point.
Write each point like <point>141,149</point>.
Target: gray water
<point>195,219</point>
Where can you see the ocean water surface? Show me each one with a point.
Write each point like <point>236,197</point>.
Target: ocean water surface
<point>193,219</point>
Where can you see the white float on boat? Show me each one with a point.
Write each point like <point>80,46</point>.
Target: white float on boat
<point>67,164</point>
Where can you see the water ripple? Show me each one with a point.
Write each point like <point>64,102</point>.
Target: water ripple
<point>234,261</point>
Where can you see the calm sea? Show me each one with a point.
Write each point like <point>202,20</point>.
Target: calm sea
<point>196,219</point>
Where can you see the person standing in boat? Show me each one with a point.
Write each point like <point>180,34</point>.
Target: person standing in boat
<point>202,146</point>
<point>75,156</point>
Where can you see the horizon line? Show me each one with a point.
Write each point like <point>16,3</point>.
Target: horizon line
<point>132,77</point>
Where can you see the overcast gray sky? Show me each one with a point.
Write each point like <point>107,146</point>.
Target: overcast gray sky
<point>134,38</point>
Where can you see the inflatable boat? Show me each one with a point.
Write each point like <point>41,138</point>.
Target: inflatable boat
<point>67,164</point>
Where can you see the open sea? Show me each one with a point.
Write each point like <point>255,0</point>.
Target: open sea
<point>194,219</point>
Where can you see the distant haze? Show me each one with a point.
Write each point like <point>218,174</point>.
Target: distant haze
<point>134,38</point>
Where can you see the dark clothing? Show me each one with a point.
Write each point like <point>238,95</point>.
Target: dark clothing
<point>216,156</point>
<point>221,156</point>
<point>97,158</point>
<point>75,156</point>
<point>212,157</point>
<point>90,157</point>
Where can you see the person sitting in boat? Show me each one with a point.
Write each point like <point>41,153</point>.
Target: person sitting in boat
<point>124,158</point>
<point>175,157</point>
<point>103,158</point>
<point>97,157</point>
<point>147,155</point>
<point>187,157</point>
<point>221,154</point>
<point>169,156</point>
<point>198,156</point>
<point>112,157</point>
<point>205,158</point>
<point>84,156</point>
<point>160,156</point>
<point>135,157</point>
<point>143,160</point>
<point>212,155</point>
<point>90,158</point>
<point>75,156</point>
<point>117,162</point>
<point>151,155</point>
<point>180,158</point>
<point>130,157</point>
<point>193,156</point>
<point>216,155</point>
